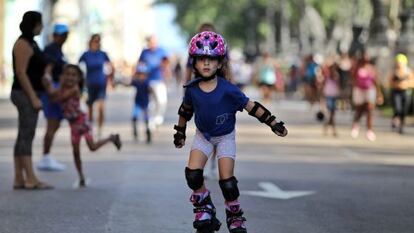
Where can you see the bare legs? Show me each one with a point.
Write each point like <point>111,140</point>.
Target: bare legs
<point>197,160</point>
<point>369,108</point>
<point>93,146</point>
<point>24,176</point>
<point>101,114</point>
<point>52,126</point>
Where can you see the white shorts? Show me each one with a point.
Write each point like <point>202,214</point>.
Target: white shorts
<point>362,96</point>
<point>225,145</point>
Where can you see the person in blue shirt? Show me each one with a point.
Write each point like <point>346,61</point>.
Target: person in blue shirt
<point>141,84</point>
<point>214,102</point>
<point>98,69</point>
<point>156,59</point>
<point>52,110</point>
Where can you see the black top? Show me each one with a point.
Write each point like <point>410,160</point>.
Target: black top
<point>35,68</point>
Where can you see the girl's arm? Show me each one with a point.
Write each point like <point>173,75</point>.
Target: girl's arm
<point>380,96</point>
<point>185,113</point>
<point>47,80</point>
<point>411,80</point>
<point>265,116</point>
<point>63,95</point>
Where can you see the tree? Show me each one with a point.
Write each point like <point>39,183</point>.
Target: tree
<point>246,23</point>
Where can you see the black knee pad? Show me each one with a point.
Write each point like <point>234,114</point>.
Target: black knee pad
<point>194,178</point>
<point>229,188</point>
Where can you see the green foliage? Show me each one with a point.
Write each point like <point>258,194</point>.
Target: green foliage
<point>235,18</point>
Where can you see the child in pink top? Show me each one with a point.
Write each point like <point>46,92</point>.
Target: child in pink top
<point>331,92</point>
<point>69,94</point>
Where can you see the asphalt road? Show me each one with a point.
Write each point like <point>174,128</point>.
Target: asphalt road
<point>348,185</point>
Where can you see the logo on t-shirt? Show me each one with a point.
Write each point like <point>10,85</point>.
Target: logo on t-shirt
<point>221,119</point>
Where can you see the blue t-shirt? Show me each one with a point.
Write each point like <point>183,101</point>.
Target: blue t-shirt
<point>53,53</point>
<point>311,71</point>
<point>142,93</point>
<point>95,67</point>
<point>153,59</point>
<point>215,111</point>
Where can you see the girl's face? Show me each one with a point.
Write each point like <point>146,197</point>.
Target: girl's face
<point>70,77</point>
<point>37,29</point>
<point>207,66</point>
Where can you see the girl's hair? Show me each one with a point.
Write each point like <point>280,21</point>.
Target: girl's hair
<point>29,22</point>
<point>80,74</point>
<point>223,72</point>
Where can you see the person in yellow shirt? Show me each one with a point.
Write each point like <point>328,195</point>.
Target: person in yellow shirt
<point>401,80</point>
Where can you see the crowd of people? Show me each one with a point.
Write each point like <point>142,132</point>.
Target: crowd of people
<point>213,79</point>
<point>336,81</point>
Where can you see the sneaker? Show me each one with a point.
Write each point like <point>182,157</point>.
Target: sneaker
<point>47,163</point>
<point>355,132</point>
<point>371,135</point>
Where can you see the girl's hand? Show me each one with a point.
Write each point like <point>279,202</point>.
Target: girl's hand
<point>279,129</point>
<point>179,136</point>
<point>179,140</point>
<point>46,81</point>
<point>380,99</point>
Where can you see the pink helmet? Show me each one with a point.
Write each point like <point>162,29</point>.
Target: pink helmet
<point>209,44</point>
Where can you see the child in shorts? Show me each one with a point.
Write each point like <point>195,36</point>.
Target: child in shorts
<point>69,94</point>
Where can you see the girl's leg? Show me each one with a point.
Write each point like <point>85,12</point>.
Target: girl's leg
<point>226,168</point>
<point>203,206</point>
<point>148,130</point>
<point>228,184</point>
<point>332,123</point>
<point>101,116</point>
<point>196,162</point>
<point>396,109</point>
<point>403,111</point>
<point>370,107</point>
<point>93,146</point>
<point>357,116</point>
<point>134,128</point>
<point>90,112</point>
<point>78,163</point>
<point>135,116</point>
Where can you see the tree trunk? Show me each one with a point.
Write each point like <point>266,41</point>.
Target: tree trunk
<point>378,25</point>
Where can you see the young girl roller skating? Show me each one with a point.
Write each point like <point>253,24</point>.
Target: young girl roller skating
<point>214,101</point>
<point>69,94</point>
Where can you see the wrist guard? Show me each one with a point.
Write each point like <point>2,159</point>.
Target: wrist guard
<point>266,117</point>
<point>186,112</point>
<point>278,127</point>
<point>179,135</point>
